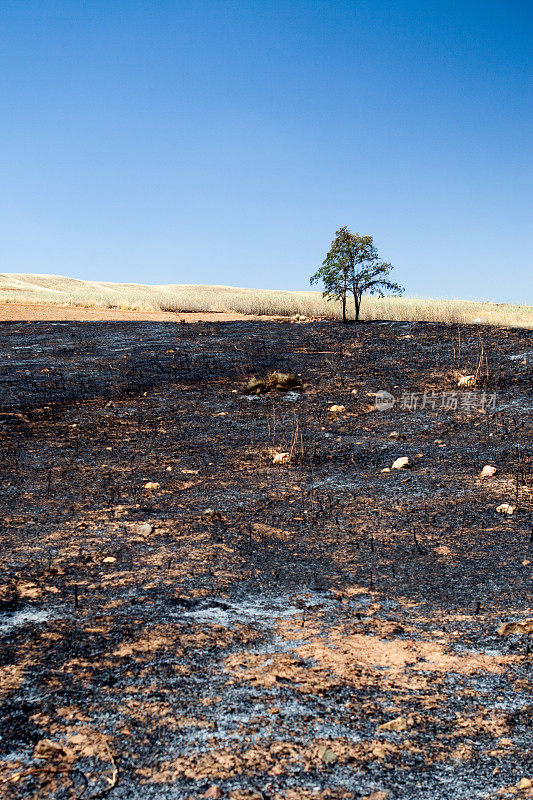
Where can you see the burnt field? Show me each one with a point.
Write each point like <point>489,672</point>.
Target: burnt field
<point>182,617</point>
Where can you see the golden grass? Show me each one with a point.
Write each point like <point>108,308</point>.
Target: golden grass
<point>26,288</point>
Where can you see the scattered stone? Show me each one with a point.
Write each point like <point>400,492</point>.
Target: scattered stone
<point>337,409</point>
<point>190,471</point>
<point>505,508</point>
<point>386,469</point>
<point>326,755</point>
<point>378,751</point>
<point>377,795</point>
<point>354,391</point>
<point>511,628</point>
<point>209,512</point>
<point>398,724</point>
<point>213,793</point>
<point>145,528</point>
<point>487,471</point>
<point>46,748</point>
<point>109,560</point>
<point>466,381</point>
<point>152,485</point>
<point>281,458</point>
<point>524,783</point>
<point>401,463</point>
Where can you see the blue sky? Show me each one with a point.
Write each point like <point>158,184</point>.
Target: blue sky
<point>225,142</point>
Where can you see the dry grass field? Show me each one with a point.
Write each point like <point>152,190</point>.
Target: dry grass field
<point>27,288</point>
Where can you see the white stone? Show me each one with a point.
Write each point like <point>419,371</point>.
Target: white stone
<point>401,463</point>
<point>488,471</point>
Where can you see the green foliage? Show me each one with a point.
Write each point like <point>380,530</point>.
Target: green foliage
<point>352,266</point>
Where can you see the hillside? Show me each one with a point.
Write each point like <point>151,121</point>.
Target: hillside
<point>53,289</point>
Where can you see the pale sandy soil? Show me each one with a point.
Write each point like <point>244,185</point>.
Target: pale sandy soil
<point>35,312</point>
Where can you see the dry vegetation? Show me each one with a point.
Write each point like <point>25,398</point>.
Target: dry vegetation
<point>20,288</point>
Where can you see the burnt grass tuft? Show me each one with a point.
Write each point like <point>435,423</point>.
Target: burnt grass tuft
<point>251,639</point>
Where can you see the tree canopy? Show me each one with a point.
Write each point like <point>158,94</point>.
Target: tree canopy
<point>353,266</point>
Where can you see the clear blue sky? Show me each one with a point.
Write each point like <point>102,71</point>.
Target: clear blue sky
<point>225,142</point>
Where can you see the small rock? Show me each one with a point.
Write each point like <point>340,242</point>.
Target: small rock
<point>326,755</point>
<point>109,560</point>
<point>466,381</point>
<point>505,508</point>
<point>337,409</point>
<point>487,471</point>
<point>209,512</point>
<point>213,793</point>
<point>401,463</point>
<point>152,485</point>
<point>398,724</point>
<point>511,628</point>
<point>386,469</point>
<point>378,751</point>
<point>145,528</point>
<point>524,783</point>
<point>281,458</point>
<point>46,748</point>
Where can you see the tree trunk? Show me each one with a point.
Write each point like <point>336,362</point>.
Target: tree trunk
<point>344,293</point>
<point>357,307</point>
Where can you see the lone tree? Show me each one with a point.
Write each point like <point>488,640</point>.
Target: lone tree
<point>352,265</point>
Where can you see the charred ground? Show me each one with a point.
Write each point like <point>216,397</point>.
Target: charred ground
<point>244,628</point>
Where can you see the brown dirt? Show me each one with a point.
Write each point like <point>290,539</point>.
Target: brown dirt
<point>244,629</point>
<point>40,312</point>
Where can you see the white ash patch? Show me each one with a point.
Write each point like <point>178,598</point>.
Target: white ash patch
<point>526,356</point>
<point>18,619</point>
<point>261,610</point>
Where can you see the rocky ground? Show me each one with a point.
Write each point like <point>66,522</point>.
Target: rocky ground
<point>181,617</point>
